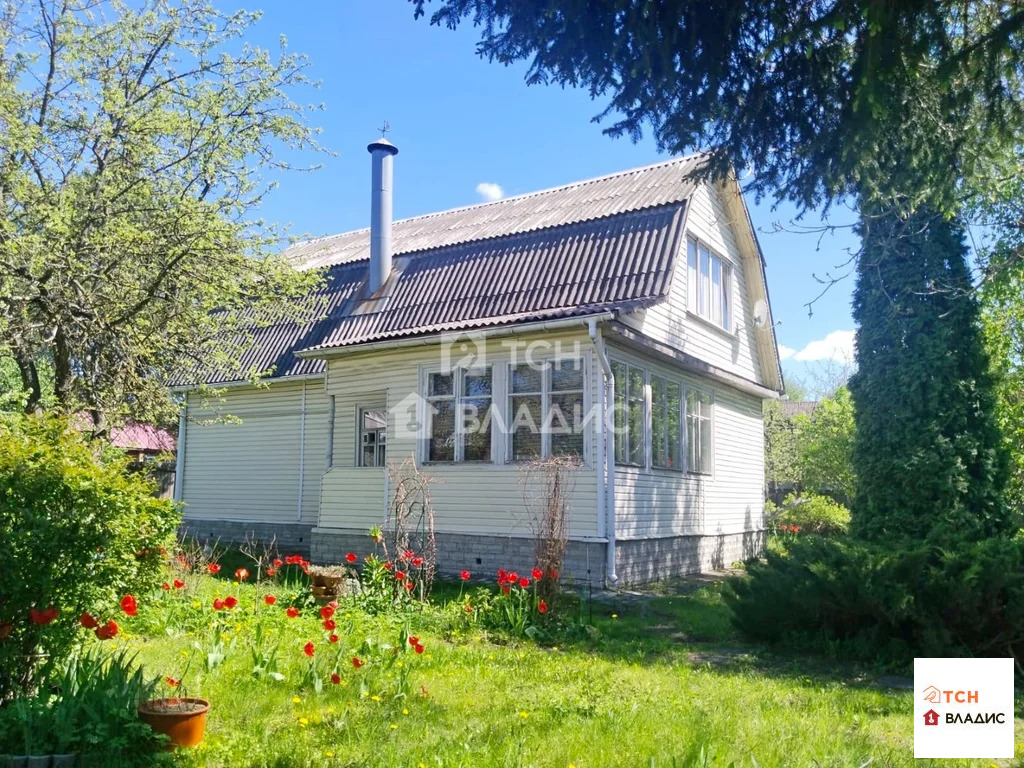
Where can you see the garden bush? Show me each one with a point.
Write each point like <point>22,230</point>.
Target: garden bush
<point>89,708</point>
<point>812,513</point>
<point>77,532</point>
<point>845,597</point>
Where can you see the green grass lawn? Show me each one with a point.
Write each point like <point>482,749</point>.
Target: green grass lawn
<point>663,682</point>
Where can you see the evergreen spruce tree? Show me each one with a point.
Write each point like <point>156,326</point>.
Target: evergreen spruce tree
<point>928,454</point>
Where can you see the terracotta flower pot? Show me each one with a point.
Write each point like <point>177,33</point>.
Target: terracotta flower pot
<point>184,720</point>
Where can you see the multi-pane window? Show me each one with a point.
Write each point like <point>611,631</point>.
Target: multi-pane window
<point>629,414</point>
<point>372,437</point>
<point>709,281</point>
<point>546,409</point>
<point>666,424</point>
<point>698,431</point>
<point>459,415</point>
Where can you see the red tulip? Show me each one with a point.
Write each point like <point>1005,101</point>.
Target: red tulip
<point>417,562</point>
<point>553,574</point>
<point>501,575</point>
<point>172,682</point>
<point>165,587</point>
<point>505,590</point>
<point>179,584</point>
<point>326,612</point>
<point>87,621</point>
<point>271,571</point>
<point>542,607</point>
<point>218,604</point>
<point>357,662</point>
<point>418,648</point>
<point>292,612</point>
<point>335,678</point>
<point>230,601</point>
<point>399,575</point>
<point>308,649</point>
<point>524,582</point>
<point>351,557</point>
<point>465,575</point>
<point>537,574</point>
<point>277,562</point>
<point>334,604</point>
<point>388,565</point>
<point>329,624</point>
<point>107,631</point>
<point>213,568</point>
<point>512,577</point>
<point>241,574</point>
<point>269,599</point>
<point>409,585</point>
<point>44,616</point>
<point>129,606</point>
<point>413,640</point>
<point>333,638</point>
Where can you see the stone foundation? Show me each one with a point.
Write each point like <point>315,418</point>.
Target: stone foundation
<point>642,560</point>
<point>291,538</point>
<point>637,561</point>
<point>480,555</point>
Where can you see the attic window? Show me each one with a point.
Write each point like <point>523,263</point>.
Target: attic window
<point>709,284</point>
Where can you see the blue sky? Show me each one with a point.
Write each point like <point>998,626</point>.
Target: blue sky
<point>461,122</point>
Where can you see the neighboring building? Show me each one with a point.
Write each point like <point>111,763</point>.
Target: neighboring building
<point>642,289</point>
<point>142,442</point>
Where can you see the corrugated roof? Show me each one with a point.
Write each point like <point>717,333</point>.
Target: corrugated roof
<point>574,250</point>
<point>566,270</point>
<point>791,408</point>
<point>631,190</point>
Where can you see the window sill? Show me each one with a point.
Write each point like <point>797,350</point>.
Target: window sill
<point>697,473</point>
<point>712,325</point>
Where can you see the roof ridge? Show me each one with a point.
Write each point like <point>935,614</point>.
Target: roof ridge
<point>522,196</point>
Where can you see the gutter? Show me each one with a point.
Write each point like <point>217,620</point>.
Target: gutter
<point>302,452</point>
<point>608,444</point>
<point>179,465</point>
<point>434,338</point>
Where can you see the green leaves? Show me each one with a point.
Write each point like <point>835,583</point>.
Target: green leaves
<point>133,163</point>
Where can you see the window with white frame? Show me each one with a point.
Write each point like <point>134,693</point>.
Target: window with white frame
<point>459,415</point>
<point>630,417</point>
<point>709,281</point>
<point>546,409</point>
<point>666,424</point>
<point>372,437</point>
<point>698,432</point>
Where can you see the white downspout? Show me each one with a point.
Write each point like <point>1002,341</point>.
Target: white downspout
<point>607,419</point>
<point>302,453</point>
<point>179,465</point>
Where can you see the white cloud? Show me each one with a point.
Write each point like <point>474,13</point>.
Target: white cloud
<point>837,346</point>
<point>488,190</point>
<point>786,352</point>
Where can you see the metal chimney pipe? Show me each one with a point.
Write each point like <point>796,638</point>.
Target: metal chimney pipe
<point>382,151</point>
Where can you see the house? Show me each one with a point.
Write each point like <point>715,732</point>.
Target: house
<point>639,297</point>
<point>142,442</point>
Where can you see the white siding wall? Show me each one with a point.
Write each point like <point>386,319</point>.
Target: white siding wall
<point>242,454</point>
<point>669,321</point>
<point>467,498</point>
<point>659,502</point>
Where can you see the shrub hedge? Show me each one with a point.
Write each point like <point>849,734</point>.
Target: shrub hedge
<point>77,532</point>
<point>846,597</point>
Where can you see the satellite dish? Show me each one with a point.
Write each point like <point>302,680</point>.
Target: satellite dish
<point>760,313</point>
